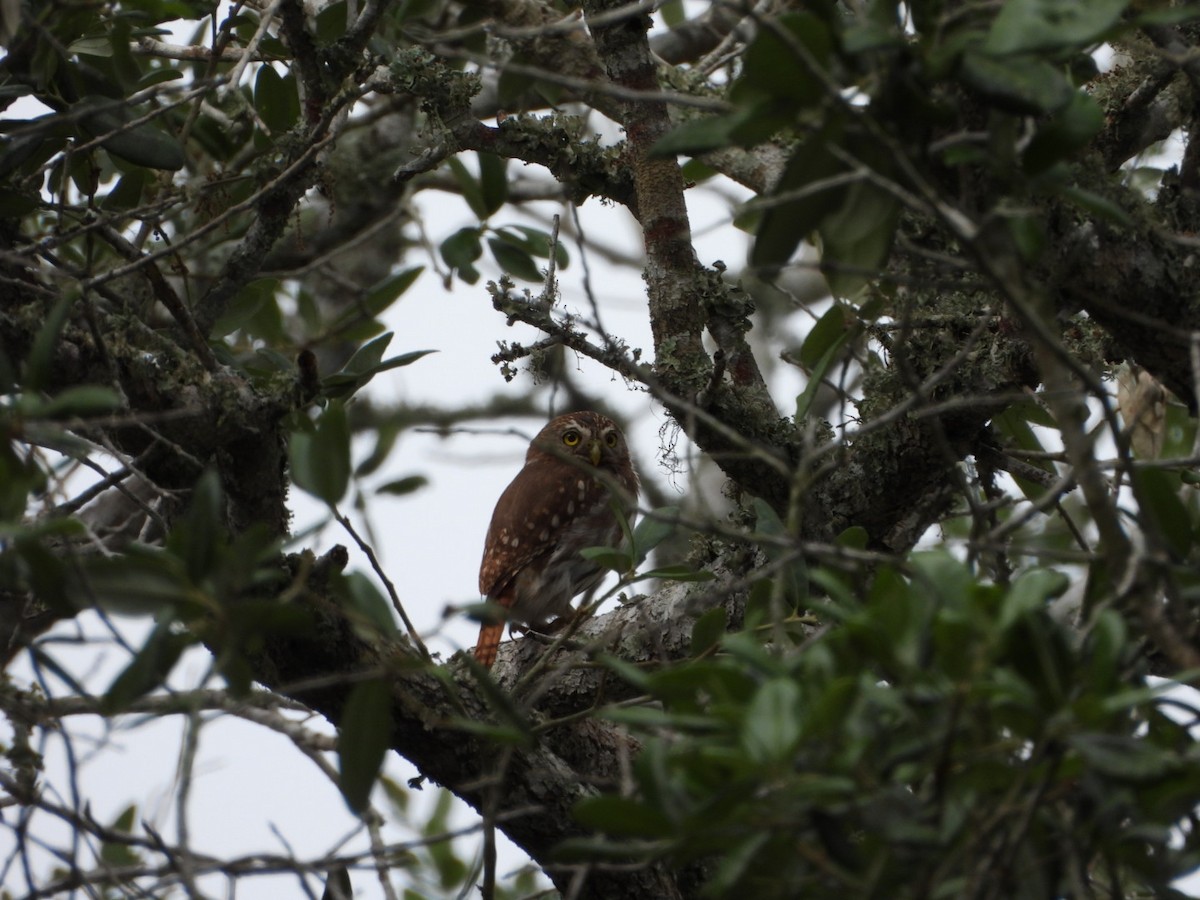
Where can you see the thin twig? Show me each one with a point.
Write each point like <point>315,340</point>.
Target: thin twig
<point>391,588</point>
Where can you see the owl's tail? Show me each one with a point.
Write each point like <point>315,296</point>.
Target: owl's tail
<point>488,644</point>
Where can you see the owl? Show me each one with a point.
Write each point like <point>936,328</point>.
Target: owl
<point>554,508</point>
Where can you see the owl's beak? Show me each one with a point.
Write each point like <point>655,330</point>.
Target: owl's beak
<point>594,452</point>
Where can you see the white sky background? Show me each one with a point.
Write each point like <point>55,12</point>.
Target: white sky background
<point>248,780</point>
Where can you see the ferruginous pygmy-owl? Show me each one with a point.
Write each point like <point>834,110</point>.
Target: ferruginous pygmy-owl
<point>554,508</point>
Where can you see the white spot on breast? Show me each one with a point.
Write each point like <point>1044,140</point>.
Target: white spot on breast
<point>515,541</point>
<point>570,507</point>
<point>554,521</point>
<point>544,536</point>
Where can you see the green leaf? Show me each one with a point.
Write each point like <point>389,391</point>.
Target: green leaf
<point>514,84</point>
<point>338,886</point>
<point>149,668</point>
<point>451,870</point>
<point>774,64</point>
<point>276,99</point>
<point>894,627</point>
<point>17,204</point>
<point>856,238</point>
<point>379,298</point>
<point>461,249</point>
<point>1024,85</point>
<point>1107,640</point>
<point>47,135</point>
<point>881,30</point>
<point>785,224</point>
<point>1121,757</point>
<point>1038,651</point>
<point>673,13</point>
<point>245,304</point>
<point>1025,26</point>
<point>366,729</point>
<point>1097,205</point>
<point>653,529</point>
<point>793,576</point>
<point>84,174</point>
<point>1167,15</point>
<point>495,734</point>
<point>366,604</point>
<point>118,853</point>
<point>320,459</point>
<point>1013,424</point>
<point>942,577</point>
<point>344,383</point>
<point>697,172</point>
<point>533,241</point>
<point>676,572</point>
<point>472,192</point>
<point>708,630</point>
<point>139,582</point>
<point>37,567</point>
<point>157,76</point>
<point>701,135</point>
<point>385,440</point>
<point>493,182</point>
<point>331,21</point>
<point>390,289</point>
<point>1028,234</point>
<point>142,145</point>
<point>199,534</point>
<point>402,486</point>
<point>1030,592</point>
<point>127,193</point>
<point>804,401</point>
<point>92,45</point>
<point>830,331</point>
<point>514,261</point>
<point>735,863</point>
<point>83,400</point>
<point>772,726</point>
<point>621,816</point>
<point>38,363</point>
<point>617,560</point>
<point>1158,498</point>
<point>365,364</point>
<point>365,359</point>
<point>855,537</point>
<point>1070,130</point>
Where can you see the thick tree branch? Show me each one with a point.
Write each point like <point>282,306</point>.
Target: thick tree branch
<point>684,298</point>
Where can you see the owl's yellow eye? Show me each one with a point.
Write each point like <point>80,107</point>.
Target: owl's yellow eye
<point>571,438</point>
<point>611,439</point>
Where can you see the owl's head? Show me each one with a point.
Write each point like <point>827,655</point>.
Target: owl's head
<point>584,435</point>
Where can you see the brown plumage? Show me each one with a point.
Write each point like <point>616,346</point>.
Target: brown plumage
<point>554,508</point>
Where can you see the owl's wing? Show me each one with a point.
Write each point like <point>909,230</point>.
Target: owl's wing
<point>525,524</point>
<point>526,529</point>
<point>512,544</point>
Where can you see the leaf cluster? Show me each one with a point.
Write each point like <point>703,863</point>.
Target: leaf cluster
<point>947,738</point>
